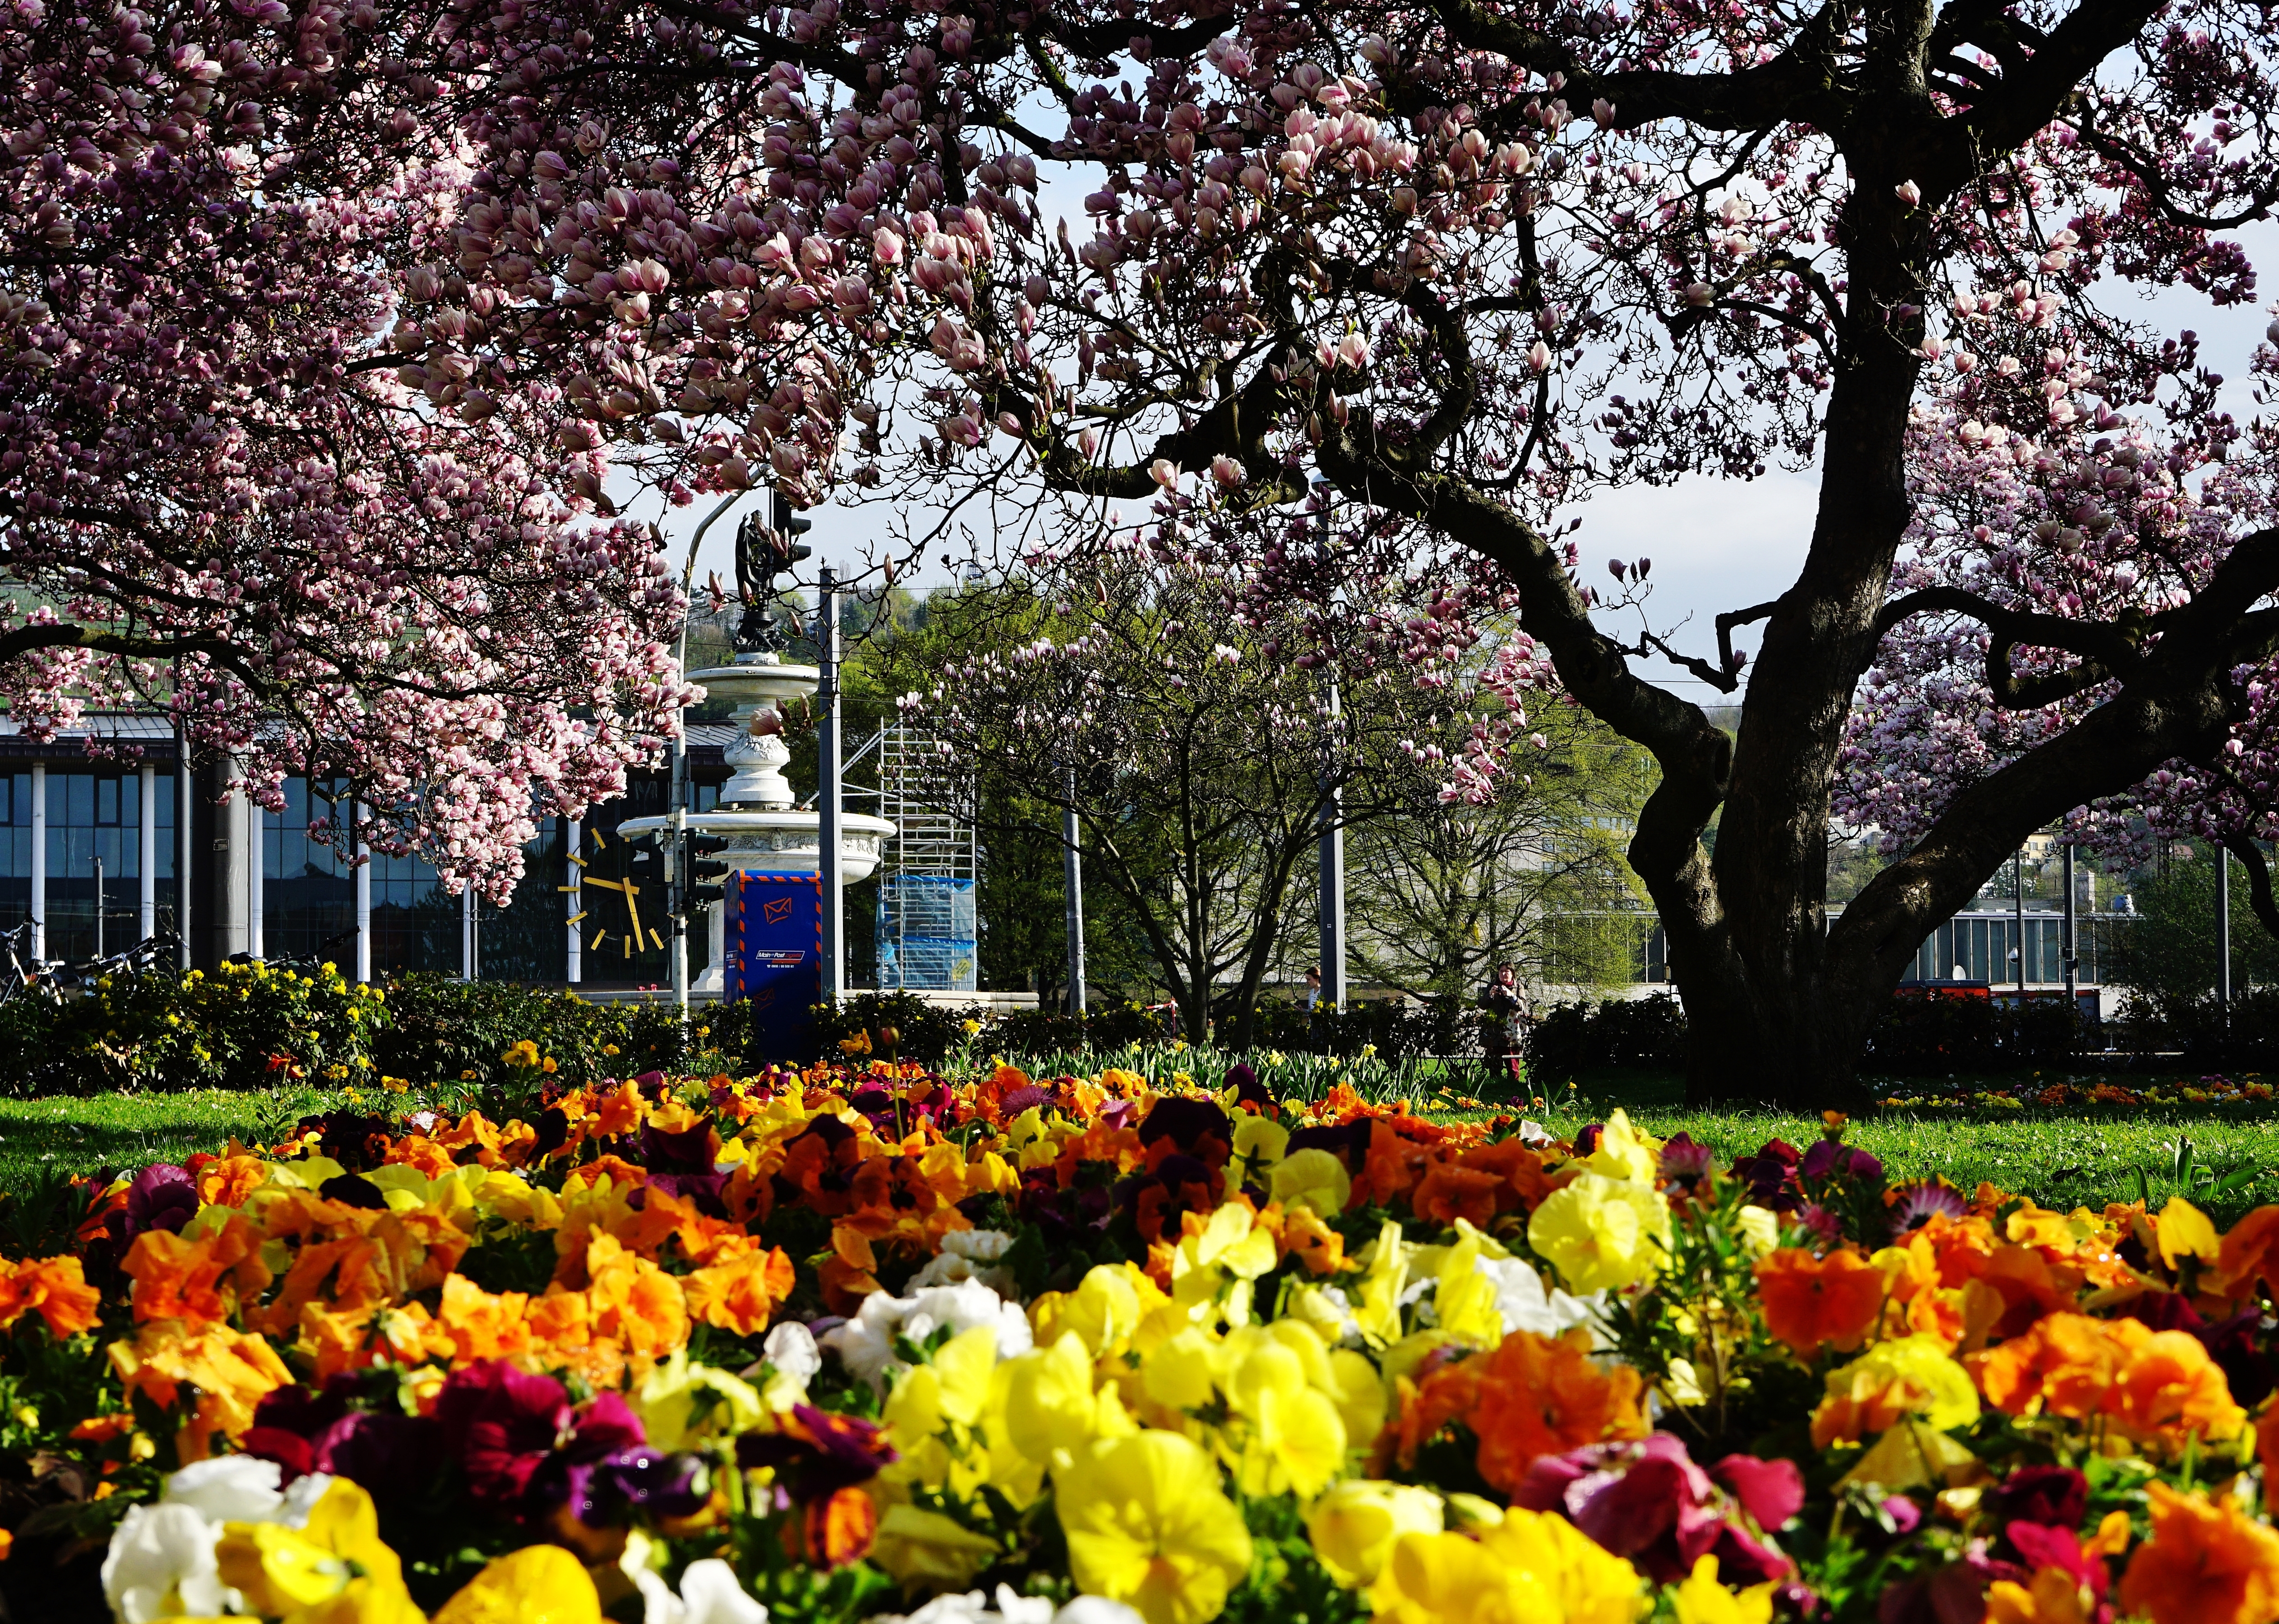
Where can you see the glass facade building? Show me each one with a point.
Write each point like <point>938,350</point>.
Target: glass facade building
<point>66,818</point>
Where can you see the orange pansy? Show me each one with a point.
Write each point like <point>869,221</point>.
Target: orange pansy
<point>1537,1396</point>
<point>740,1294</point>
<point>2204,1564</point>
<point>56,1289</point>
<point>179,1279</point>
<point>1813,1303</point>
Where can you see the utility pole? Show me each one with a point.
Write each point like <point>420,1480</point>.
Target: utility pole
<point>184,846</point>
<point>1332,865</point>
<point>2223,930</point>
<point>2071,946</point>
<point>2018,904</point>
<point>1072,885</point>
<point>827,786</point>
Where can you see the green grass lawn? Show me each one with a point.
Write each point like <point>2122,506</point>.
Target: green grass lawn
<point>132,1131</point>
<point>2061,1160</point>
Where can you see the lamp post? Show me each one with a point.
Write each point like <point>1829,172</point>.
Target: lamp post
<point>1072,887</point>
<point>2223,930</point>
<point>827,787</point>
<point>1331,863</point>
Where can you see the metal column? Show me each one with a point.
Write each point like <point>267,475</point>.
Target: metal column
<point>469,950</point>
<point>1332,868</point>
<point>146,851</point>
<point>39,860</point>
<point>256,860</point>
<point>827,790</point>
<point>186,844</point>
<point>2069,948</point>
<point>1072,883</point>
<point>362,892</point>
<point>2018,906</point>
<point>573,968</point>
<point>2223,927</point>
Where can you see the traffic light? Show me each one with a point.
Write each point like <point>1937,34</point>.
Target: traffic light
<point>784,519</point>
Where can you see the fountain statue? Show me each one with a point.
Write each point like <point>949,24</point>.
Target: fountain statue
<point>761,826</point>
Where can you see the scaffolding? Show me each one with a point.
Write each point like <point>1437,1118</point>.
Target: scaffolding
<point>928,928</point>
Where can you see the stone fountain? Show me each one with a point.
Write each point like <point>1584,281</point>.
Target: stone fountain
<point>761,829</point>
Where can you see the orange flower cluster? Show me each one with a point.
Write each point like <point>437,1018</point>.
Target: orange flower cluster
<point>1526,1398</point>
<point>2153,1387</point>
<point>1812,1303</point>
<point>56,1289</point>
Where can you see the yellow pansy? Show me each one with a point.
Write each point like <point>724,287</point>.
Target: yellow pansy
<point>1294,1439</point>
<point>1623,1152</point>
<point>1602,1233</point>
<point>669,1397</point>
<point>1376,1308</point>
<point>538,1584</point>
<point>1105,1309</point>
<point>1259,1142</point>
<point>1051,1408</point>
<point>1148,1524</point>
<point>924,1549</point>
<point>1701,1600</point>
<point>333,1568</point>
<point>1464,1300</point>
<point>1531,1568</point>
<point>2185,1232</point>
<point>1903,1378</point>
<point>1312,1178</point>
<point>1354,1525</point>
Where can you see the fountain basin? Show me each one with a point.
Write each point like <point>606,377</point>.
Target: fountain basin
<point>788,842</point>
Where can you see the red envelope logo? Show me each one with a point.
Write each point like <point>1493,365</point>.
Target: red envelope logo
<point>776,910</point>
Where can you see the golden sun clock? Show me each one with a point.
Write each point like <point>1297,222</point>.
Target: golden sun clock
<point>616,867</point>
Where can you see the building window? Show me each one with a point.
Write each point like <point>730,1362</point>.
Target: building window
<point>95,822</point>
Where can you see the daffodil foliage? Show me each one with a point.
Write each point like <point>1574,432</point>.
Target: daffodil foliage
<point>880,1345</point>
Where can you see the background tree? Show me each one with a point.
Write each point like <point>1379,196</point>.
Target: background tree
<point>2169,949</point>
<point>1146,690</point>
<point>1442,894</point>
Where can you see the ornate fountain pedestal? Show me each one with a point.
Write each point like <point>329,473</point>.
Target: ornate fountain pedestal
<point>757,819</point>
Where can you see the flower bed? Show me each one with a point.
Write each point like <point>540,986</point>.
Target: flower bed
<point>2082,1093</point>
<point>858,1344</point>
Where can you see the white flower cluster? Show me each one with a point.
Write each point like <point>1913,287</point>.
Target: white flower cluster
<point>973,1608</point>
<point>865,1343</point>
<point>161,1562</point>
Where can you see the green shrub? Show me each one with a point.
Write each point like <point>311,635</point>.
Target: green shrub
<point>242,1026</point>
<point>1647,1032</point>
<point>444,1030</point>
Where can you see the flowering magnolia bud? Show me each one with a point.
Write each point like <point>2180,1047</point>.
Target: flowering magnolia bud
<point>1908,193</point>
<point>1164,472</point>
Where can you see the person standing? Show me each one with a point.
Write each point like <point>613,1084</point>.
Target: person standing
<point>1503,1035</point>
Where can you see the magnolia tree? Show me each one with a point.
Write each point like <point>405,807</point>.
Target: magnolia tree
<point>1416,280</point>
<point>216,491</point>
<point>1206,732</point>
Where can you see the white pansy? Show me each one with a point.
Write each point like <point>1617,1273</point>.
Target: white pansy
<point>970,1254</point>
<point>161,1565</point>
<point>865,1343</point>
<point>1526,1304</point>
<point>790,1348</point>
<point>228,1488</point>
<point>709,1595</point>
<point>1097,1610</point>
<point>973,1608</point>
